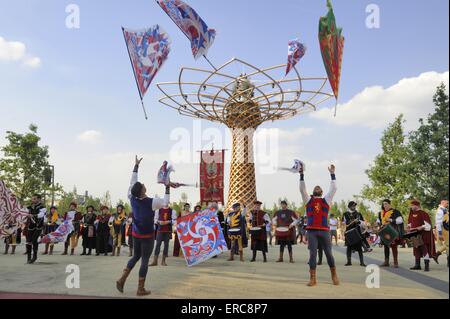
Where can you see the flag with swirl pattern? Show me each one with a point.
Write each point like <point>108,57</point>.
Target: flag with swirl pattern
<point>200,236</point>
<point>332,48</point>
<point>191,24</point>
<point>12,214</point>
<point>60,234</point>
<point>296,51</point>
<point>148,50</point>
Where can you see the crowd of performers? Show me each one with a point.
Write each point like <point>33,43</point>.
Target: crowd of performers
<point>152,225</point>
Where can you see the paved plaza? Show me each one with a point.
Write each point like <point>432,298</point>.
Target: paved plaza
<point>218,278</point>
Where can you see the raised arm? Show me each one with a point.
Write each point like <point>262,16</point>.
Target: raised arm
<point>162,202</point>
<point>303,191</point>
<point>134,175</point>
<point>333,187</point>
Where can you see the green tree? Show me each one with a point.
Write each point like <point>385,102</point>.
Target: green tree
<point>25,167</point>
<point>390,174</point>
<point>430,153</point>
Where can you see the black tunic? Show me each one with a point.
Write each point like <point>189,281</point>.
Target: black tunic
<point>355,217</point>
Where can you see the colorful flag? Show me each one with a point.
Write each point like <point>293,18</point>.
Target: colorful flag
<point>148,50</point>
<point>60,234</point>
<point>12,214</point>
<point>296,51</point>
<point>200,236</point>
<point>191,24</point>
<point>211,176</point>
<point>332,48</point>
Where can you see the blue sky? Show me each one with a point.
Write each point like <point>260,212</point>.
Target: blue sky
<point>85,83</point>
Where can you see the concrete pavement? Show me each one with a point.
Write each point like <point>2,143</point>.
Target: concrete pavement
<point>218,278</point>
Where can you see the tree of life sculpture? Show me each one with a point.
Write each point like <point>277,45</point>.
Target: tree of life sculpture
<point>242,101</point>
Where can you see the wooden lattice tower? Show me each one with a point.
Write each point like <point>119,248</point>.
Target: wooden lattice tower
<point>242,101</point>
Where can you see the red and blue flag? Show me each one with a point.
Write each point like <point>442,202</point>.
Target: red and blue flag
<point>296,51</point>
<point>148,50</point>
<point>191,24</point>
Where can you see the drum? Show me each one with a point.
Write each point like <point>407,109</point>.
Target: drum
<point>388,234</point>
<point>417,241</point>
<point>353,237</point>
<point>234,231</point>
<point>256,231</point>
<point>282,232</point>
<point>411,234</point>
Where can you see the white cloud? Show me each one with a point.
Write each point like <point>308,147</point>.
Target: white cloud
<point>32,62</point>
<point>17,52</point>
<point>91,137</point>
<point>376,106</point>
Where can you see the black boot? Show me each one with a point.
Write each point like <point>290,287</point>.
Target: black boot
<point>89,252</point>
<point>254,256</point>
<point>427,265</point>
<point>265,257</point>
<point>436,257</point>
<point>28,253</point>
<point>84,252</point>
<point>361,259</point>
<point>349,262</point>
<point>416,266</point>
<point>66,247</point>
<point>34,256</point>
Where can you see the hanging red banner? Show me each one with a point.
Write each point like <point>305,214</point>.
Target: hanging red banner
<point>211,176</point>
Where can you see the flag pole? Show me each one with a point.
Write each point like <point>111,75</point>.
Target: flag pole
<point>137,84</point>
<point>335,108</point>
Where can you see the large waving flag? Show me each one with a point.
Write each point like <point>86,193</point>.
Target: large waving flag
<point>201,236</point>
<point>60,234</point>
<point>332,48</point>
<point>191,24</point>
<point>12,214</point>
<point>148,50</point>
<point>296,51</point>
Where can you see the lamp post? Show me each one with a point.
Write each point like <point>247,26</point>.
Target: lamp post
<point>53,184</point>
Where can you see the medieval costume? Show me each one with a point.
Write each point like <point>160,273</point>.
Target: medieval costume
<point>391,216</point>
<point>285,221</point>
<point>423,242</point>
<point>72,239</point>
<point>50,222</point>
<point>89,238</point>
<point>224,226</point>
<point>143,230</point>
<point>442,229</point>
<point>317,209</point>
<point>34,228</point>
<point>130,233</point>
<point>176,245</point>
<point>353,235</point>
<point>116,225</point>
<point>165,219</point>
<point>301,231</point>
<point>259,219</point>
<point>102,232</point>
<point>12,241</point>
<point>237,232</point>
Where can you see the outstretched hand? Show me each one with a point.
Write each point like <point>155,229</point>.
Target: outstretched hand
<point>301,170</point>
<point>332,169</point>
<point>138,161</point>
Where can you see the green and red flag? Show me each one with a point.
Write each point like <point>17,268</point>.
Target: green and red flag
<point>332,47</point>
